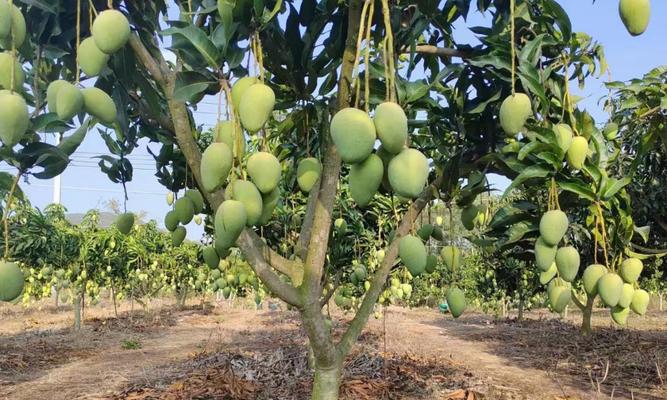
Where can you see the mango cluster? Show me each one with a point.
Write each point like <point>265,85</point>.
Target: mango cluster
<point>403,169</point>
<point>248,202</point>
<point>560,266</point>
<point>14,114</point>
<point>186,209</point>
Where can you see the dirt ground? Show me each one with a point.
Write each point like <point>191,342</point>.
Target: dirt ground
<point>232,351</point>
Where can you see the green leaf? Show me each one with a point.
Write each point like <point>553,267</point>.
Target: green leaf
<point>198,39</point>
<point>72,142</point>
<point>534,171</point>
<point>562,19</point>
<point>614,185</point>
<point>643,231</point>
<point>189,86</point>
<point>582,190</point>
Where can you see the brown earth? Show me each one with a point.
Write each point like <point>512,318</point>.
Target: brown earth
<point>230,351</point>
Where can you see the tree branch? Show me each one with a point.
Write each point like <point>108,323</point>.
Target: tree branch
<point>576,301</point>
<point>442,52</point>
<point>380,278</point>
<point>248,241</point>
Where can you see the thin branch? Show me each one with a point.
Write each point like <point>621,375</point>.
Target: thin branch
<point>380,278</point>
<point>147,59</point>
<point>437,51</point>
<point>576,301</point>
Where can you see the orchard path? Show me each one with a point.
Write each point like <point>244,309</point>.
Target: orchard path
<point>107,368</point>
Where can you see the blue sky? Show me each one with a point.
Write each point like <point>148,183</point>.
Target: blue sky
<point>85,187</point>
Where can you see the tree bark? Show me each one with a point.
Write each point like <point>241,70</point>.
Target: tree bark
<point>587,312</point>
<point>77,312</point>
<point>326,382</point>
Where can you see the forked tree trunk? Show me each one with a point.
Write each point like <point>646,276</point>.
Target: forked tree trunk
<point>326,382</point>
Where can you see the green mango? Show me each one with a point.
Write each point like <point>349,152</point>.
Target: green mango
<point>626,296</point>
<point>124,223</point>
<point>14,119</point>
<point>413,254</point>
<point>620,315</point>
<point>391,125</point>
<point>610,289</point>
<point>69,101</point>
<point>567,262</point>
<point>264,170</point>
<point>545,255</point>
<point>365,179</point>
<point>239,88</point>
<point>197,199</point>
<point>230,220</point>
<point>111,30</point>
<point>431,263</point>
<point>211,258</point>
<point>549,274</point>
<point>451,256</point>
<point>514,112</point>
<point>640,301</point>
<point>635,15</point>
<point>171,220</point>
<point>564,136</point>
<point>269,203</point>
<point>99,104</point>
<point>7,63</point>
<point>425,231</point>
<point>91,59</point>
<point>592,275</point>
<point>408,173</point>
<point>178,236</point>
<point>185,209</point>
<point>576,154</point>
<point>216,164</point>
<point>256,106</point>
<point>353,134</point>
<point>308,173</point>
<point>246,192</point>
<point>11,281</point>
<point>631,269</point>
<point>18,30</point>
<point>456,300</point>
<point>553,226</point>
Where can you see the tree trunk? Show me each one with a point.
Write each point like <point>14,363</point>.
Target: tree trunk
<point>57,296</point>
<point>586,327</point>
<point>326,382</point>
<point>519,317</point>
<point>77,312</point>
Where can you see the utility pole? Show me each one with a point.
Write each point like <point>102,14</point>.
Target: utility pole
<point>56,180</point>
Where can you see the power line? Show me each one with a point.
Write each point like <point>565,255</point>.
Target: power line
<point>91,189</point>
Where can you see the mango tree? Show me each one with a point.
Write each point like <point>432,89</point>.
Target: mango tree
<point>442,109</point>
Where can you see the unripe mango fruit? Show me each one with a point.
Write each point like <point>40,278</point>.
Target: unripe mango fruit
<point>413,254</point>
<point>456,300</point>
<point>564,136</point>
<point>545,255</point>
<point>640,300</point>
<point>250,197</point>
<point>576,154</point>
<point>256,107</point>
<point>553,226</point>
<point>391,125</point>
<point>230,220</point>
<point>469,215</point>
<point>610,289</point>
<point>264,170</point>
<point>52,93</point>
<point>211,258</point>
<point>111,30</point>
<point>216,163</point>
<point>99,104</point>
<point>567,262</point>
<point>591,276</point>
<point>620,315</point>
<point>269,202</point>
<point>185,209</point>
<point>7,62</point>
<point>124,223</point>
<point>549,274</point>
<point>559,297</point>
<point>626,295</point>
<point>451,256</point>
<point>197,199</point>
<point>18,30</point>
<point>353,133</point>
<point>14,118</point>
<point>239,88</point>
<point>91,59</point>
<point>635,15</point>
<point>69,101</point>
<point>11,280</point>
<point>514,112</point>
<point>171,220</point>
<point>365,179</point>
<point>630,269</point>
<point>178,236</point>
<point>307,173</point>
<point>408,173</point>
<point>5,19</point>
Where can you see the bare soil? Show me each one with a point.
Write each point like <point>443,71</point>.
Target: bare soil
<point>232,351</point>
